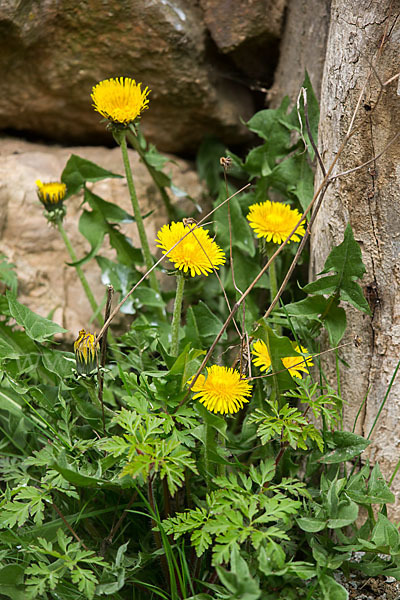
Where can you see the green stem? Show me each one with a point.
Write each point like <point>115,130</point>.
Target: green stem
<point>221,443</point>
<point>273,282</point>
<point>210,439</point>
<point>148,259</point>
<point>176,318</point>
<point>133,140</point>
<point>83,280</point>
<point>89,295</point>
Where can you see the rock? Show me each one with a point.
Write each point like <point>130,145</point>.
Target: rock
<point>249,31</point>
<point>52,53</point>
<point>47,285</point>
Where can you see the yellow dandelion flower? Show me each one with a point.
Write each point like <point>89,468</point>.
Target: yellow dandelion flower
<point>294,364</point>
<point>197,253</point>
<point>274,221</point>
<point>85,350</point>
<point>51,195</point>
<point>120,100</point>
<point>222,391</point>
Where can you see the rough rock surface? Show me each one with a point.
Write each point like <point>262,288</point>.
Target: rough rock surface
<point>46,282</point>
<point>52,53</point>
<point>248,31</point>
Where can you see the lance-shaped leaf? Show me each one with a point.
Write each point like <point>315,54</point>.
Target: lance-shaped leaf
<point>79,170</point>
<point>36,327</point>
<point>346,263</point>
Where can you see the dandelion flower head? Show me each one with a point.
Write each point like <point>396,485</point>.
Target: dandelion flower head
<point>197,253</point>
<point>120,100</point>
<point>222,391</point>
<point>51,194</point>
<point>274,221</point>
<point>295,364</point>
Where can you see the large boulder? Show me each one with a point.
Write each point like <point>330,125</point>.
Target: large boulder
<point>52,53</point>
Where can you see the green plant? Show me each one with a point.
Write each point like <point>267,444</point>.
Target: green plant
<point>147,477</point>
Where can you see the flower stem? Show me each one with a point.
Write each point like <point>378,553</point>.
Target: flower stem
<point>210,439</point>
<point>133,140</point>
<point>83,280</point>
<point>273,282</point>
<point>86,287</point>
<point>176,318</point>
<point>148,259</point>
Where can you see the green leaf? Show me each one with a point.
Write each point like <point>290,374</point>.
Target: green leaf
<point>207,163</point>
<point>79,170</point>
<point>347,514</point>
<point>242,236</point>
<point>7,274</point>
<point>110,211</point>
<point>331,590</point>
<point>313,115</point>
<point>347,446</point>
<point>239,581</point>
<point>245,269</point>
<point>311,525</point>
<point>76,478</point>
<point>335,322</point>
<point>385,535</point>
<point>346,262</point>
<point>294,176</point>
<point>310,307</point>
<point>273,126</point>
<point>377,491</point>
<point>11,591</point>
<point>147,297</point>
<point>93,227</point>
<point>202,325</point>
<point>36,327</point>
<point>11,574</point>
<point>127,254</point>
<point>258,162</point>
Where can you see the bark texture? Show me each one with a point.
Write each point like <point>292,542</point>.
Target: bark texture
<point>362,50</point>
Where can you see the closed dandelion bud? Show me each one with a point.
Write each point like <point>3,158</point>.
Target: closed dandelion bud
<point>85,350</point>
<point>52,195</point>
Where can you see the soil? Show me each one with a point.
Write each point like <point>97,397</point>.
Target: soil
<point>361,587</point>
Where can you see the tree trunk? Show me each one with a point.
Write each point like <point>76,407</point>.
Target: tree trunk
<point>363,50</point>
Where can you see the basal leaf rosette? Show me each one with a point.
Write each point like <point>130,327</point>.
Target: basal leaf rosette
<point>196,254</point>
<point>222,391</point>
<point>296,365</point>
<point>120,100</point>
<point>274,221</point>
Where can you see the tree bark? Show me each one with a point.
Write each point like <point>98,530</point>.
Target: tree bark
<point>362,50</point>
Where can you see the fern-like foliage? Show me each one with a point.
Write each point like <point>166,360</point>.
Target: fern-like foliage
<point>243,509</point>
<point>148,450</point>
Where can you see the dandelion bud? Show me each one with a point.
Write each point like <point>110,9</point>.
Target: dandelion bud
<point>52,195</point>
<point>85,350</point>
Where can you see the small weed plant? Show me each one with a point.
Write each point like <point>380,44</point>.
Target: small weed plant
<point>200,455</point>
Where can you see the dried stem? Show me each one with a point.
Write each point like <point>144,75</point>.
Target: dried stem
<point>76,536</point>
